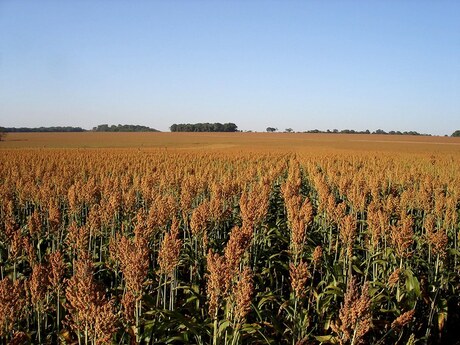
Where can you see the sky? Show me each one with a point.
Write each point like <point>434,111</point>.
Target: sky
<point>391,65</point>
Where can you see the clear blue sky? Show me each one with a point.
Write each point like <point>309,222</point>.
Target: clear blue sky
<point>299,64</point>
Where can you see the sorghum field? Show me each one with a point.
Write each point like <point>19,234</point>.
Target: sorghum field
<point>229,239</point>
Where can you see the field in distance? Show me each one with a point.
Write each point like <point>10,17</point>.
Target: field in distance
<point>236,141</point>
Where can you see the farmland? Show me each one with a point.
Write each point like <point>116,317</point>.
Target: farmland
<point>235,238</point>
<point>281,142</point>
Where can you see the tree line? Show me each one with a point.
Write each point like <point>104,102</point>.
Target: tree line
<point>41,129</point>
<point>204,127</point>
<point>378,131</point>
<point>352,131</point>
<point>196,127</point>
<point>99,128</point>
<point>123,128</point>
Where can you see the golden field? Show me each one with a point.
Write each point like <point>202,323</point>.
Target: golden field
<point>278,141</point>
<point>229,238</point>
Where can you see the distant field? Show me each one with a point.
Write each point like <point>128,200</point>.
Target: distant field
<point>238,141</point>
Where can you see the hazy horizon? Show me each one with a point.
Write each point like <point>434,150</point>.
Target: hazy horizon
<point>277,130</point>
<point>301,65</point>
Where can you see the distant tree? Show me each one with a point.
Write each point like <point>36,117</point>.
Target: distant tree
<point>271,129</point>
<point>288,130</point>
<point>2,133</point>
<point>230,127</point>
<point>214,127</point>
<point>456,133</point>
<point>348,131</point>
<point>101,128</point>
<point>411,133</point>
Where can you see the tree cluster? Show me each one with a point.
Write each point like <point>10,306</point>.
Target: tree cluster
<point>456,133</point>
<point>123,128</point>
<point>204,127</point>
<point>352,131</point>
<point>378,131</point>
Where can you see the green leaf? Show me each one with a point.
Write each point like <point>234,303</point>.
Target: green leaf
<point>250,327</point>
<point>412,283</point>
<point>266,299</point>
<point>223,326</point>
<point>327,339</point>
<point>333,290</point>
<point>356,269</point>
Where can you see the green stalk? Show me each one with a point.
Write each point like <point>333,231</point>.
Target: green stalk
<point>214,332</point>
<point>165,286</point>
<point>38,326</point>
<point>436,268</point>
<point>330,240</point>
<point>455,247</point>
<point>294,338</point>
<point>57,312</point>
<point>137,321</point>
<point>354,334</point>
